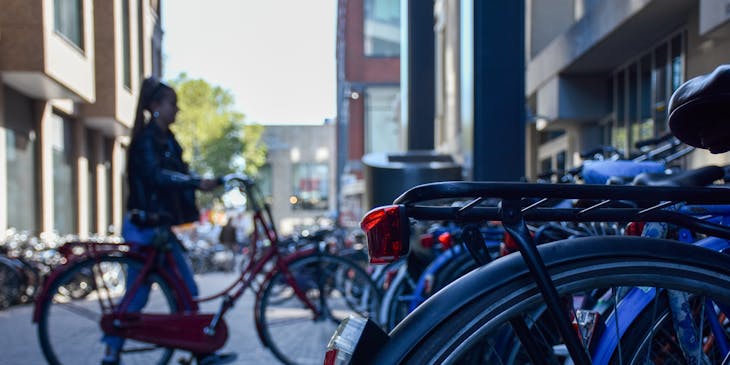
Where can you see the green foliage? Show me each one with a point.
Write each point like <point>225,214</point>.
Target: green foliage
<point>214,137</point>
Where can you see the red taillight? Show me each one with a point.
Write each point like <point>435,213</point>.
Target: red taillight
<point>635,228</point>
<point>445,240</point>
<point>387,233</point>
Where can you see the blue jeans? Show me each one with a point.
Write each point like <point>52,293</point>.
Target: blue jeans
<point>145,236</point>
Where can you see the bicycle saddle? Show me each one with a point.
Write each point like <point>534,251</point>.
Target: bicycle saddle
<point>699,111</point>
<point>702,176</point>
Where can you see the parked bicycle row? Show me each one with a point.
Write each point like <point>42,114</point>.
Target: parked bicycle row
<point>444,251</point>
<point>27,260</point>
<point>630,273</point>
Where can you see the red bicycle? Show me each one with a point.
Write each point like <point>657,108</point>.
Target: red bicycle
<point>301,297</point>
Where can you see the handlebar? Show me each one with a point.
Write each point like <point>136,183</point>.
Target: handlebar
<point>229,178</point>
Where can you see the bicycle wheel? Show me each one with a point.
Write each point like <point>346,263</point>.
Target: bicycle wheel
<point>69,325</point>
<point>469,321</point>
<point>652,336</point>
<point>335,286</point>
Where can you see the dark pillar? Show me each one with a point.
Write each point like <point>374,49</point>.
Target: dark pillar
<point>499,90</point>
<point>418,74</point>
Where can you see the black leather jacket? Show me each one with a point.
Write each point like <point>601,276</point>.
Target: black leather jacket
<point>161,187</point>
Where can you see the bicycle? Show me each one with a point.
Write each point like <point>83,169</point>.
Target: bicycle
<point>300,299</point>
<point>530,307</point>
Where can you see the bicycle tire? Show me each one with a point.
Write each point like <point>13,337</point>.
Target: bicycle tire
<point>69,339</point>
<point>289,329</point>
<point>476,309</point>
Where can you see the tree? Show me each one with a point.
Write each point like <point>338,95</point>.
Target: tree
<point>214,137</point>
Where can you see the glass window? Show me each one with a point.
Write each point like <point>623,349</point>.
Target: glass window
<point>126,45</point>
<point>21,150</point>
<point>619,138</point>
<point>644,129</point>
<point>311,187</point>
<point>560,162</point>
<point>64,186</point>
<point>677,63</point>
<point>381,28</point>
<point>382,119</point>
<point>661,91</point>
<point>108,157</point>
<point>642,90</point>
<point>21,154</point>
<point>69,20</point>
<point>140,40</point>
<point>91,180</point>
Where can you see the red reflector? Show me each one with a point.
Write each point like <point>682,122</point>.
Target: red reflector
<point>510,243</point>
<point>330,357</point>
<point>428,284</point>
<point>389,276</point>
<point>427,240</point>
<point>387,233</point>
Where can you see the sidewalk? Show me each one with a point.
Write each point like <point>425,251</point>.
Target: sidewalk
<point>19,343</point>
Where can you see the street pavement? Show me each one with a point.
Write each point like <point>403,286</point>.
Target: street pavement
<point>19,339</point>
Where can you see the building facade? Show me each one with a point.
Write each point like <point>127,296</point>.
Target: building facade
<point>602,72</point>
<point>368,92</point>
<point>597,72</point>
<point>70,72</point>
<point>299,173</point>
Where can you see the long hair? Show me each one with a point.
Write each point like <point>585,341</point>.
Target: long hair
<point>152,90</point>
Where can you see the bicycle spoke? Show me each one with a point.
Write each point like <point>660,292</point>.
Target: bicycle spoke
<point>336,288</point>
<point>700,330</point>
<point>654,319</point>
<point>89,314</point>
<point>616,323</point>
<point>288,321</point>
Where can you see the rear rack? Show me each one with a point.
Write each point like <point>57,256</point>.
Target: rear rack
<point>608,203</point>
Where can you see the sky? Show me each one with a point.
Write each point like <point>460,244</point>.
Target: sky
<point>277,57</point>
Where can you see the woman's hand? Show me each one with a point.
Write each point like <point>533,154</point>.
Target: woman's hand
<point>208,184</point>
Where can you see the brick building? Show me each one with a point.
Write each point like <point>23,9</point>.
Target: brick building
<point>70,71</point>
